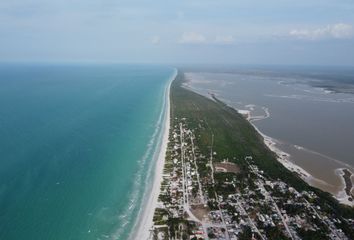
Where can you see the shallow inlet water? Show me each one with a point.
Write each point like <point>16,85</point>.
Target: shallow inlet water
<point>313,125</point>
<point>76,146</point>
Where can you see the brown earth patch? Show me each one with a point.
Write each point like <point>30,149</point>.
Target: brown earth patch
<point>226,167</point>
<point>200,211</point>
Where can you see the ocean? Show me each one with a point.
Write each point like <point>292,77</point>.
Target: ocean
<point>292,106</point>
<point>77,147</point>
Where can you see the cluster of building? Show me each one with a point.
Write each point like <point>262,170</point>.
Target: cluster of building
<point>205,198</point>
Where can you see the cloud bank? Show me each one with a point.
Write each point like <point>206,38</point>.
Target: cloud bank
<point>155,40</point>
<point>336,31</point>
<point>224,39</point>
<point>192,38</point>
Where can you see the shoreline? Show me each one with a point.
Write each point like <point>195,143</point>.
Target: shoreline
<point>145,219</point>
<point>193,204</point>
<point>343,196</point>
<point>284,158</point>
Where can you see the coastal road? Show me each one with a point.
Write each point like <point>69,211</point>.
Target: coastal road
<point>213,181</point>
<point>186,204</point>
<point>197,172</point>
<point>268,196</point>
<point>250,220</point>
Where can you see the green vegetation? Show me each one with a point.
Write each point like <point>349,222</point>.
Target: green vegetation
<point>180,228</point>
<point>275,233</point>
<point>234,138</point>
<point>221,133</point>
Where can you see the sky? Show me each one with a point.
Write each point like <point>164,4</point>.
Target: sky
<point>301,32</point>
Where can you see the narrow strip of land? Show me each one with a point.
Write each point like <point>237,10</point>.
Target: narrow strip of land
<point>222,182</point>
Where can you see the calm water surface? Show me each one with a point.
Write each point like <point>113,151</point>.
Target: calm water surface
<point>76,144</point>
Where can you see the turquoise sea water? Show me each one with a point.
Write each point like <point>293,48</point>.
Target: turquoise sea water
<point>76,142</point>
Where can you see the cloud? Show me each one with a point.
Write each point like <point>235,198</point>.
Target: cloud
<point>197,38</point>
<point>192,38</point>
<point>181,15</point>
<point>155,40</point>
<point>336,31</point>
<point>224,39</point>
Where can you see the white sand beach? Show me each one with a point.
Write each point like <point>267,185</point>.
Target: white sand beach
<point>144,227</point>
<point>142,231</point>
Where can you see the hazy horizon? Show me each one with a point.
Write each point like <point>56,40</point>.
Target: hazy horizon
<point>252,32</point>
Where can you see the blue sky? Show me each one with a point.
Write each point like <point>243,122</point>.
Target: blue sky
<point>317,32</point>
